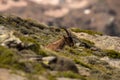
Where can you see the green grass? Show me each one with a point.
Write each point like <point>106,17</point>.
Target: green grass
<point>77,30</point>
<point>87,43</point>
<point>112,54</point>
<point>72,50</point>
<point>9,59</point>
<point>29,40</point>
<point>70,74</point>
<point>37,68</point>
<point>17,22</point>
<point>82,64</point>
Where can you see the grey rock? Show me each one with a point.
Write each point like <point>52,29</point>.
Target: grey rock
<point>7,37</point>
<point>7,75</point>
<point>49,58</point>
<point>62,78</point>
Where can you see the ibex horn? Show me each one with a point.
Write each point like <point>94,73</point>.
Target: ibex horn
<point>68,33</point>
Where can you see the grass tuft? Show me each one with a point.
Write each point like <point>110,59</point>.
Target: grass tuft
<point>77,30</point>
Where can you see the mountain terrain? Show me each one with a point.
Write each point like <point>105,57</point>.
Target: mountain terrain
<point>98,15</point>
<point>30,50</point>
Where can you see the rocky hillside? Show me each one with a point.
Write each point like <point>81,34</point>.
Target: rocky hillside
<point>33,51</point>
<point>97,15</point>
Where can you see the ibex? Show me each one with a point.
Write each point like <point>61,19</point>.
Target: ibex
<point>59,44</point>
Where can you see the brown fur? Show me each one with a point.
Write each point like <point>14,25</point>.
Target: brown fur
<point>59,44</point>
<point>56,45</point>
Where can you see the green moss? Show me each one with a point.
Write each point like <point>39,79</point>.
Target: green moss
<point>87,43</point>
<point>31,76</point>
<point>17,22</point>
<point>112,54</point>
<point>82,64</point>
<point>9,59</point>
<point>77,30</point>
<point>35,23</point>
<point>43,52</point>
<point>28,40</point>
<point>26,26</point>
<point>50,77</point>
<point>35,47</point>
<point>70,74</point>
<point>72,50</point>
<point>37,68</point>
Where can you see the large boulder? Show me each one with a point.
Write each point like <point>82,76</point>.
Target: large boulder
<point>60,64</point>
<point>7,37</point>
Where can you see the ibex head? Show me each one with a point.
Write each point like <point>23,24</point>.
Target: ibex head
<point>68,38</point>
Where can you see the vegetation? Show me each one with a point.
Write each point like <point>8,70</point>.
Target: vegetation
<point>112,54</point>
<point>17,22</point>
<point>77,30</point>
<point>82,64</point>
<point>9,59</point>
<point>70,74</point>
<point>87,43</point>
<point>36,36</point>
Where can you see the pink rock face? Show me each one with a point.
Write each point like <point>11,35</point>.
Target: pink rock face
<point>7,4</point>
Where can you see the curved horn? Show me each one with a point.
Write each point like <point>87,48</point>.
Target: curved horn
<point>68,33</point>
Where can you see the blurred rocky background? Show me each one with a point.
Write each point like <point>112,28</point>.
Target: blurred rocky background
<point>98,15</point>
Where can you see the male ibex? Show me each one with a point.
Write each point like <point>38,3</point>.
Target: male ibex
<point>59,44</point>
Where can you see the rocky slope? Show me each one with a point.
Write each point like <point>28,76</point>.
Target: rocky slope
<point>97,15</point>
<point>33,51</point>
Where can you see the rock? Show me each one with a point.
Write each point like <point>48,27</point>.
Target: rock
<point>42,78</point>
<point>7,38</point>
<point>112,62</point>
<point>7,75</point>
<point>62,78</point>
<point>61,64</point>
<point>48,59</point>
<point>29,55</point>
<point>102,42</point>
